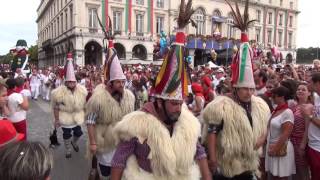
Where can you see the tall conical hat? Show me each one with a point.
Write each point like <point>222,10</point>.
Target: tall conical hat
<point>69,69</point>
<point>242,73</point>
<point>112,69</point>
<point>172,79</point>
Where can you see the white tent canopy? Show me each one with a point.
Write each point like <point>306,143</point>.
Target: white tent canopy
<point>212,65</point>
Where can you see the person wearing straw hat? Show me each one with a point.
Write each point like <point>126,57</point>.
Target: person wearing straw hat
<point>68,103</point>
<point>109,102</point>
<point>160,141</point>
<point>237,124</point>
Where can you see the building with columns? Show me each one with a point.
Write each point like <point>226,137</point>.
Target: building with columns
<point>72,25</point>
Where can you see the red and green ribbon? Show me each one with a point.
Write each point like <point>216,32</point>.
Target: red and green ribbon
<point>128,15</point>
<point>105,13</point>
<point>243,61</point>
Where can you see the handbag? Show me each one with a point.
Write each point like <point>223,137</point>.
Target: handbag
<point>54,139</point>
<point>94,174</point>
<point>283,150</point>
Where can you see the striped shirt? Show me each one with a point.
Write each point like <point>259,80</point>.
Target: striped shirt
<point>91,118</point>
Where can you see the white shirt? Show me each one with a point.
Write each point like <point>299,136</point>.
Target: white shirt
<point>216,81</point>
<point>105,159</point>
<point>26,93</point>
<point>35,79</point>
<point>261,91</point>
<point>314,131</point>
<point>17,114</point>
<point>83,82</point>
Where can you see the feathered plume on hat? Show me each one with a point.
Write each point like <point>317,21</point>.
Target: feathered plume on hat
<point>112,69</point>
<point>172,79</point>
<point>242,74</point>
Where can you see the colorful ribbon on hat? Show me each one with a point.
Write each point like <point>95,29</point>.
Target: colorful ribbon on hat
<point>244,54</point>
<point>173,72</point>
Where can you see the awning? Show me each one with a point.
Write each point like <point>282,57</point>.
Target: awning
<point>198,43</point>
<point>195,43</point>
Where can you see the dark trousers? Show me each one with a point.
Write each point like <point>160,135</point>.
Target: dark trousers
<point>77,132</point>
<point>244,176</point>
<point>105,170</point>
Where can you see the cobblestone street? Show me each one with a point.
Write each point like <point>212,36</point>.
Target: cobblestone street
<point>39,127</point>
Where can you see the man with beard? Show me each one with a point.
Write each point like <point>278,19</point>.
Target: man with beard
<point>107,106</point>
<point>160,141</point>
<point>236,125</point>
<point>68,102</point>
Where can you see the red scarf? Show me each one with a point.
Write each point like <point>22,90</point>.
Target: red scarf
<point>197,89</point>
<point>279,108</point>
<point>206,93</point>
<point>268,94</point>
<point>19,89</point>
<point>10,91</point>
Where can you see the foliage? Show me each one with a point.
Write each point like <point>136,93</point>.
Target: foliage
<point>6,59</point>
<point>307,55</point>
<point>33,54</point>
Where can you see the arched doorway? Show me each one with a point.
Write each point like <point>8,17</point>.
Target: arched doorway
<point>121,51</point>
<point>140,52</point>
<point>93,53</point>
<point>199,57</point>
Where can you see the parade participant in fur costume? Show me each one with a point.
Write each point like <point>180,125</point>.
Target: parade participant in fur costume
<point>68,102</point>
<point>160,141</point>
<point>108,104</point>
<point>237,124</point>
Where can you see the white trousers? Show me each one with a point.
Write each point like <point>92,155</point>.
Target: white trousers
<point>45,92</point>
<point>35,90</point>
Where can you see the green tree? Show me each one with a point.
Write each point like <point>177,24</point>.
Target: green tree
<point>33,52</point>
<point>6,59</point>
<point>307,55</point>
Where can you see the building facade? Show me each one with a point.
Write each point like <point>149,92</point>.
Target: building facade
<point>72,25</point>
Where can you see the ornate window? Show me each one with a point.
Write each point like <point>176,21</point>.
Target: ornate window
<point>280,19</point>
<point>280,38</point>
<point>160,22</point>
<point>160,3</point>
<point>231,30</point>
<point>139,2</point>
<point>269,35</point>
<point>258,12</point>
<point>258,34</point>
<point>139,24</point>
<point>117,16</point>
<point>93,18</point>
<point>199,17</point>
<point>270,18</point>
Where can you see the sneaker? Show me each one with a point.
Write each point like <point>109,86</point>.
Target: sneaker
<point>75,146</point>
<point>68,155</point>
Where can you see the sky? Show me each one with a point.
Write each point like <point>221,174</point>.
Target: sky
<point>18,21</point>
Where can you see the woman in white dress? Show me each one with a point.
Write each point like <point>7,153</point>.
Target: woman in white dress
<point>280,128</point>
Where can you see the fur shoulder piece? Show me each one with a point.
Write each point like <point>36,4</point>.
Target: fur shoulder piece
<point>259,103</point>
<point>82,89</point>
<point>214,112</point>
<point>236,140</point>
<point>141,124</point>
<point>62,90</point>
<point>108,109</point>
<point>165,150</point>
